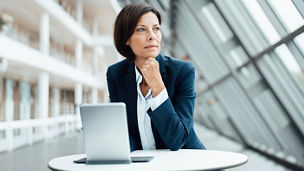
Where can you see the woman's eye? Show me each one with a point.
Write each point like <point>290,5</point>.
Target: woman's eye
<point>157,28</point>
<point>140,29</point>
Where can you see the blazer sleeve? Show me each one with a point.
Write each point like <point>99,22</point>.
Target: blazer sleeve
<point>111,86</point>
<point>174,118</point>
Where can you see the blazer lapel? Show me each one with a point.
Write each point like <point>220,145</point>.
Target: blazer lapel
<point>131,96</point>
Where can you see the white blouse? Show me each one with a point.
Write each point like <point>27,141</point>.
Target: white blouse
<point>144,121</point>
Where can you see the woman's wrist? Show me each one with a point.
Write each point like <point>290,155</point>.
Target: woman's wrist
<point>157,89</point>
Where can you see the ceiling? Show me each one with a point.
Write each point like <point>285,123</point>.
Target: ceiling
<point>27,14</point>
<point>93,10</point>
<point>103,11</point>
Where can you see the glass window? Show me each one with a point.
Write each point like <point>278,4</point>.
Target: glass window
<point>291,64</point>
<point>216,22</point>
<point>261,19</point>
<point>248,76</point>
<point>165,4</point>
<point>9,99</point>
<point>287,58</point>
<point>34,101</point>
<point>283,85</point>
<point>238,56</point>
<point>300,42</point>
<point>288,14</point>
<point>243,112</point>
<point>2,115</point>
<point>16,101</point>
<point>24,93</point>
<point>213,23</point>
<point>246,30</point>
<point>271,110</point>
<point>219,111</point>
<point>51,101</point>
<point>203,50</point>
<point>200,85</point>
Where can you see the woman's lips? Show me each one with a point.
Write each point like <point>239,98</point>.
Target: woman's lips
<point>151,46</point>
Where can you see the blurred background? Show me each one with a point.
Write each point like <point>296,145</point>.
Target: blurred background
<point>248,55</point>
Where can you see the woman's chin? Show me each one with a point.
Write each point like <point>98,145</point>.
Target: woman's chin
<point>154,55</point>
<point>150,56</point>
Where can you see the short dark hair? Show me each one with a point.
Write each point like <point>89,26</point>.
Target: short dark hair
<point>125,24</point>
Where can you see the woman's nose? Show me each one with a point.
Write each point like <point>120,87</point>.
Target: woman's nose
<point>151,35</point>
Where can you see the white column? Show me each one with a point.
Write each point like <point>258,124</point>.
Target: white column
<point>94,95</point>
<point>95,52</point>
<point>43,95</point>
<point>9,100</point>
<point>55,109</point>
<point>25,103</point>
<point>78,53</point>
<point>43,80</point>
<point>78,48</point>
<point>9,111</point>
<point>56,102</point>
<point>106,97</point>
<point>78,94</point>
<point>43,100</point>
<point>78,56</point>
<point>78,101</point>
<point>44,33</point>
<point>95,61</point>
<point>25,110</point>
<point>78,86</point>
<point>79,11</point>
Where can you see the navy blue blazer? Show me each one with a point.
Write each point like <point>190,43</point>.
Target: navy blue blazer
<point>172,121</point>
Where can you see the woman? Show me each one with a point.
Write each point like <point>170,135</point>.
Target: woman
<point>157,90</point>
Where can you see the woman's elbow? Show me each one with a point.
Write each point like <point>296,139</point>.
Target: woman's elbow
<point>178,143</point>
<point>175,148</point>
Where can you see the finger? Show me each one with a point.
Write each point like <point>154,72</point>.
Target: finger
<point>148,62</point>
<point>150,59</point>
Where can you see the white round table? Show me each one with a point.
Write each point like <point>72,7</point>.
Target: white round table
<point>183,159</point>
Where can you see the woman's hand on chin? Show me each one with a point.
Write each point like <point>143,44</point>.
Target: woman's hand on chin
<point>151,73</point>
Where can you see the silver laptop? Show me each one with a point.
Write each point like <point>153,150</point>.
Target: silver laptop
<point>106,134</point>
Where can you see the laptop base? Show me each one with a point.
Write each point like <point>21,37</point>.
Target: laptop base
<point>133,160</point>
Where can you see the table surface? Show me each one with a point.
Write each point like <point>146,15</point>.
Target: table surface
<point>183,159</point>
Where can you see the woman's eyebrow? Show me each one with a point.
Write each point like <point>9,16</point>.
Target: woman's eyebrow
<point>145,25</point>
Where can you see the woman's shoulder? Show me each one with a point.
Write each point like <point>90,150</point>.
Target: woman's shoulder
<point>177,64</point>
<point>122,65</point>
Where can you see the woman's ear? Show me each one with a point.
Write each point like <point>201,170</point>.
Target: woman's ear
<point>127,43</point>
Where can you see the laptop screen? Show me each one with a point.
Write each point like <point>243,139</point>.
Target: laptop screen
<point>105,132</point>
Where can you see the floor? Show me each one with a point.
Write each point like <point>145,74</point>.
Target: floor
<point>36,156</point>
<point>256,162</point>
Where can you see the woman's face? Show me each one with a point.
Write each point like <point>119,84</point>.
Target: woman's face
<point>146,39</point>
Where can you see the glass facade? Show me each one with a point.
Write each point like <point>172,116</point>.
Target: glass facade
<point>249,62</point>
